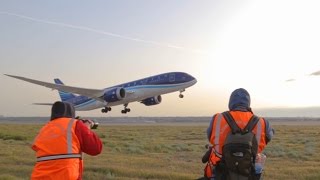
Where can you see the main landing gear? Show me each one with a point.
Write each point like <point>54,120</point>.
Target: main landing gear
<point>106,109</point>
<point>125,110</point>
<point>181,95</point>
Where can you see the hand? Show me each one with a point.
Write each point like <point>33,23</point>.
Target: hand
<point>88,123</point>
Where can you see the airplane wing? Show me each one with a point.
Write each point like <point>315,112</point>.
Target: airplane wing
<point>92,93</point>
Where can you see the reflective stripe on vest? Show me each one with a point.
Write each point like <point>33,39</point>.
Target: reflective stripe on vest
<point>69,136</point>
<point>61,156</point>
<point>217,136</point>
<point>259,130</point>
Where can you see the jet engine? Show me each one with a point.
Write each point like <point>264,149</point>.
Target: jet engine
<point>152,101</point>
<point>114,94</point>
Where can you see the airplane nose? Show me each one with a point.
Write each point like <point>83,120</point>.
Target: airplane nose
<point>192,78</point>
<point>185,77</point>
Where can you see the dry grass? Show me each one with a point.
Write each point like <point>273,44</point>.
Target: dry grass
<point>163,152</point>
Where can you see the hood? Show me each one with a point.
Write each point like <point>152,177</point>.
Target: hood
<point>239,100</point>
<point>62,109</point>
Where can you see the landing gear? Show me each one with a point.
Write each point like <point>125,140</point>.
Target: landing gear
<point>106,109</point>
<point>181,95</point>
<point>125,110</point>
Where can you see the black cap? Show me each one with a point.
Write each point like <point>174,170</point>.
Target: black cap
<point>62,109</point>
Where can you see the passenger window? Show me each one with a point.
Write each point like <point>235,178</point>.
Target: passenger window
<point>172,78</point>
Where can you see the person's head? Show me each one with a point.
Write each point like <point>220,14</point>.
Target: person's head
<point>62,109</point>
<point>239,100</point>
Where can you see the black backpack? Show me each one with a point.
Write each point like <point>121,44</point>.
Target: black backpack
<point>239,151</point>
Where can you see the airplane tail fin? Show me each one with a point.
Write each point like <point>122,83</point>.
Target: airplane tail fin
<point>64,95</point>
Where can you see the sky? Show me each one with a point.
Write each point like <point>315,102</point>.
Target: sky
<point>271,48</point>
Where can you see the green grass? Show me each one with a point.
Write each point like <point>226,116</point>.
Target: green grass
<point>163,152</point>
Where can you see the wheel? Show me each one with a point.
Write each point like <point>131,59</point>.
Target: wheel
<point>128,110</point>
<point>103,110</point>
<point>123,111</point>
<point>109,108</point>
<point>181,96</point>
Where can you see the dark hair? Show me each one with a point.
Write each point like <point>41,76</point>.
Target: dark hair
<point>62,109</point>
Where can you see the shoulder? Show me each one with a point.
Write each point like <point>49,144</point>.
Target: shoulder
<point>80,126</point>
<point>266,122</point>
<point>218,115</point>
<point>215,116</point>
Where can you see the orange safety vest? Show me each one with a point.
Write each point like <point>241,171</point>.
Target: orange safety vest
<point>58,151</point>
<point>220,130</point>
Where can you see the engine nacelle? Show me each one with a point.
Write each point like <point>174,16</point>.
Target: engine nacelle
<point>152,101</point>
<point>114,94</point>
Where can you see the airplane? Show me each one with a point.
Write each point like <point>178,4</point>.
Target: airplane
<point>148,91</point>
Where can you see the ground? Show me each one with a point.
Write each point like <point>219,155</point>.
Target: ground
<point>163,152</point>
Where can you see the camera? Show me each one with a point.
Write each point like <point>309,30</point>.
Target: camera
<point>93,124</point>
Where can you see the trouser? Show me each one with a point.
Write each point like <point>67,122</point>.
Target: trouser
<point>221,174</point>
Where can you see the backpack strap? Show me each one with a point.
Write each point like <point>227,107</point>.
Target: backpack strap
<point>233,125</point>
<point>251,124</point>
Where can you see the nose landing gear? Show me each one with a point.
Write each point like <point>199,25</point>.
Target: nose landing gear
<point>181,91</point>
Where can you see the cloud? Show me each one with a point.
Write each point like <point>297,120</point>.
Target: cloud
<point>290,80</point>
<point>317,73</point>
<point>84,28</point>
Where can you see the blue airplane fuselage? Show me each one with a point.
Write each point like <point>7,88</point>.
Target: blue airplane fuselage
<point>139,90</point>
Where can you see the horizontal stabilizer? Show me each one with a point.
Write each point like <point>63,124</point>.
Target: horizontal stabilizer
<point>44,104</point>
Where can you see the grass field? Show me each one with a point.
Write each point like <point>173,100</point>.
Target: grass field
<point>163,152</point>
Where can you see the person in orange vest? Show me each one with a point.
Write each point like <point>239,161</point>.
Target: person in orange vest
<point>228,159</point>
<point>60,144</point>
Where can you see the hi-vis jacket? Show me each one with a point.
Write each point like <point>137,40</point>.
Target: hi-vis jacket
<point>220,129</point>
<point>58,151</point>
